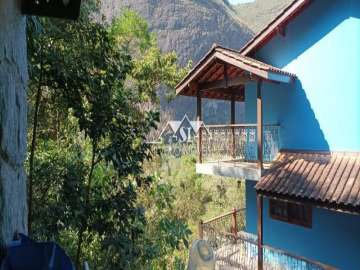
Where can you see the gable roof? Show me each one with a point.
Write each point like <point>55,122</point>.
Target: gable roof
<point>326,179</point>
<point>211,69</point>
<point>275,26</point>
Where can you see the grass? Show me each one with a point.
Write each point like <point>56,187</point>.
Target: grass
<point>199,197</point>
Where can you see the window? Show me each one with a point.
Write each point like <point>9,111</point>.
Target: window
<point>291,212</point>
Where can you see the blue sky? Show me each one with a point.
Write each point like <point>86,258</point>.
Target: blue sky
<point>240,1</point>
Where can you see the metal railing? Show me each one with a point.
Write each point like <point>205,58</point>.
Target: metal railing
<point>236,249</point>
<point>237,142</point>
<point>230,223</point>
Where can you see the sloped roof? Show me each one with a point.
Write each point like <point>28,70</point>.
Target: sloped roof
<point>275,26</point>
<point>212,69</point>
<point>328,179</point>
<point>251,63</point>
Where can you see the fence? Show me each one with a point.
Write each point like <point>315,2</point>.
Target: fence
<point>236,249</point>
<point>237,142</point>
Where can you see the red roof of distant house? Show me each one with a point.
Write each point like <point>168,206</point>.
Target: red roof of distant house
<point>275,26</point>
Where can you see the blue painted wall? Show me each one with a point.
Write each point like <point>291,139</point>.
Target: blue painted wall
<point>320,111</point>
<point>334,238</point>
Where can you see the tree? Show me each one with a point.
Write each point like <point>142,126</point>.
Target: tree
<point>88,172</point>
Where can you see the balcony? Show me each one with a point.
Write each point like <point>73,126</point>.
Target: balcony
<point>233,150</point>
<point>236,249</point>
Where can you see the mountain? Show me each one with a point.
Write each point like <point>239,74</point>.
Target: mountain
<point>191,27</point>
<point>259,13</point>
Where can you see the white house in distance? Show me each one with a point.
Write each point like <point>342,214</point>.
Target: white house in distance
<point>180,131</point>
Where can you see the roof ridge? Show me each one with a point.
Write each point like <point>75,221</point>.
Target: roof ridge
<point>320,152</point>
<point>297,5</point>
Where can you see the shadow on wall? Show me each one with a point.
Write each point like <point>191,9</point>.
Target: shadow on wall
<point>320,46</point>
<point>299,127</point>
<point>317,27</point>
<point>288,106</point>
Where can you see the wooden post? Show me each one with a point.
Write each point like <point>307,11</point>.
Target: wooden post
<point>259,202</point>
<point>259,125</point>
<point>234,223</point>
<point>226,76</point>
<point>201,229</point>
<point>199,119</point>
<point>232,122</point>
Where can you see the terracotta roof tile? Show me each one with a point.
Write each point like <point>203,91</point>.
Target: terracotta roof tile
<point>328,179</point>
<point>251,61</point>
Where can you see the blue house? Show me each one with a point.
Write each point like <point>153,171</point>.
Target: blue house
<point>299,150</point>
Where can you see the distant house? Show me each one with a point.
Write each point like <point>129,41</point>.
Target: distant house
<point>180,131</point>
<point>299,151</point>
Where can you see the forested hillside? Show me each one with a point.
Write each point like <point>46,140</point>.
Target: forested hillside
<point>190,28</point>
<point>259,13</point>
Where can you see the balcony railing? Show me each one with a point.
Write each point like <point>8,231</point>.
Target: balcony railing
<point>236,249</point>
<point>231,223</point>
<point>237,142</point>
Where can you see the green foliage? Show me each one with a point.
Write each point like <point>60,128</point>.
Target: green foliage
<point>97,188</point>
<point>131,30</point>
<point>182,194</point>
<point>152,68</point>
<point>89,89</point>
<point>190,189</point>
<point>166,233</point>
<point>67,171</point>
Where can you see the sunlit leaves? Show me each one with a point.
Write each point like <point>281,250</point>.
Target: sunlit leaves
<point>95,80</point>
<point>152,68</point>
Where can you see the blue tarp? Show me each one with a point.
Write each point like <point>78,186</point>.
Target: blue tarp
<point>27,254</point>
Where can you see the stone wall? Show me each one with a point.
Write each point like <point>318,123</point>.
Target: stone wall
<point>13,80</point>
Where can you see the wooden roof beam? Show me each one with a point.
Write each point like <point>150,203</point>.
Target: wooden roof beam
<point>239,81</point>
<point>226,75</point>
<point>218,74</point>
<point>210,71</point>
<point>227,91</point>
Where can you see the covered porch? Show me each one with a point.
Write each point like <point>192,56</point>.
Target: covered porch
<point>243,150</point>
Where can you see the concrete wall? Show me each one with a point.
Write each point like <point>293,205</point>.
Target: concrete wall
<point>13,79</point>
<point>320,111</point>
<point>334,238</point>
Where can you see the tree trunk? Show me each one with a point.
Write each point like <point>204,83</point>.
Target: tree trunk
<point>33,148</point>
<point>87,202</point>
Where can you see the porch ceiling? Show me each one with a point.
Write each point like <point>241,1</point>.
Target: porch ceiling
<point>325,179</point>
<point>222,74</point>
